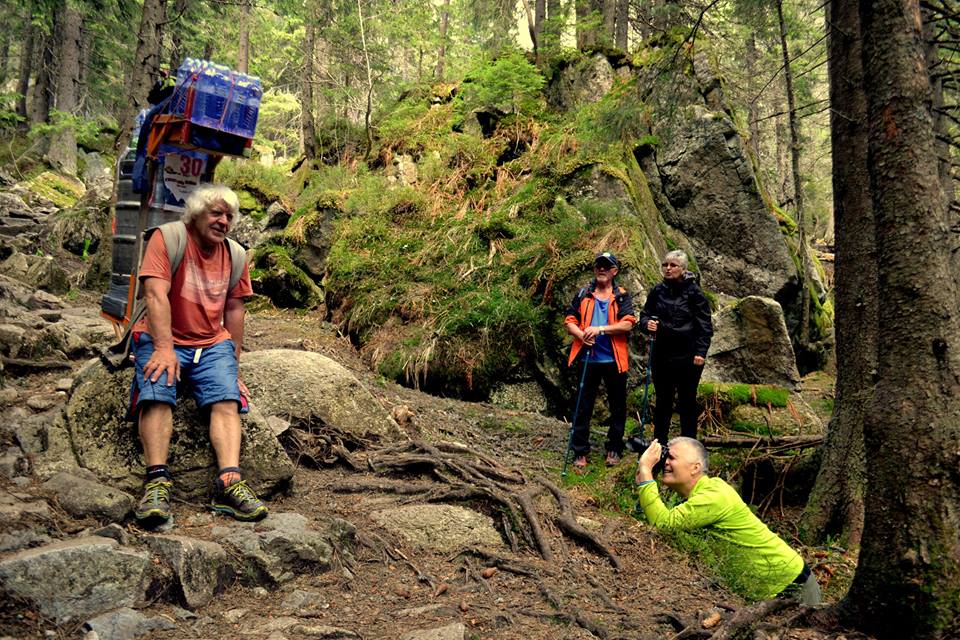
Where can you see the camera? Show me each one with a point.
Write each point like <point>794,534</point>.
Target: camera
<point>638,444</point>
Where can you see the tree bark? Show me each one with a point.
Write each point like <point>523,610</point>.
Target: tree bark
<point>26,68</point>
<point>804,337</point>
<point>442,52</point>
<point>243,44</point>
<point>176,38</point>
<point>146,65</point>
<point>532,28</point>
<point>308,133</point>
<point>369,107</point>
<point>540,16</point>
<point>907,583</point>
<point>63,144</point>
<point>43,85</point>
<point>753,113</point>
<point>620,34</point>
<point>586,24</point>
<point>835,505</point>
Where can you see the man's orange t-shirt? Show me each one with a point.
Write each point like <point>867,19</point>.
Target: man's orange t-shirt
<point>198,291</point>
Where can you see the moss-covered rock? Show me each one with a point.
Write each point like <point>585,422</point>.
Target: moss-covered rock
<point>63,191</point>
<point>276,276</point>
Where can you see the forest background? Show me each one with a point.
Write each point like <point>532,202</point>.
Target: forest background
<point>338,77</point>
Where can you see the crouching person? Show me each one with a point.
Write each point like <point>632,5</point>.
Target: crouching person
<point>767,563</point>
<point>191,336</point>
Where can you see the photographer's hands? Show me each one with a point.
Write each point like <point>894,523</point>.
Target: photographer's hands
<point>648,460</point>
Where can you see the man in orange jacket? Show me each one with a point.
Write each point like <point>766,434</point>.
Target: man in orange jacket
<point>599,318</point>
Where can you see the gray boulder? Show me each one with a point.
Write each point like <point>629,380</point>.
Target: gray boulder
<point>439,527</point>
<point>81,498</point>
<point>103,442</point>
<point>305,386</point>
<point>72,579</point>
<point>318,236</point>
<point>126,624</point>
<point>202,568</point>
<point>41,272</point>
<point>79,228</point>
<point>582,83</point>
<point>751,345</point>
<point>97,176</point>
<point>277,216</point>
<point>712,198</point>
<point>278,549</point>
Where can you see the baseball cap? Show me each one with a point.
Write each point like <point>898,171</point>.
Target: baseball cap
<point>607,257</point>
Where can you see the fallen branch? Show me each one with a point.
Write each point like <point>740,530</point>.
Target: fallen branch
<point>792,442</point>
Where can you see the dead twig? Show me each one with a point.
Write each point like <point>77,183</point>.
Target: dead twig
<point>569,525</point>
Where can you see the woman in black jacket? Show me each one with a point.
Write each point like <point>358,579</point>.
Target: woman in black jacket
<point>677,316</point>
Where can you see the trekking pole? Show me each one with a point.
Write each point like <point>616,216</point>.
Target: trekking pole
<point>576,412</point>
<point>646,385</point>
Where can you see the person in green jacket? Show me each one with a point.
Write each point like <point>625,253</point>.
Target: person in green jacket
<point>769,566</point>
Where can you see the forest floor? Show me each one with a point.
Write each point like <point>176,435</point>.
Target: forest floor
<point>386,587</point>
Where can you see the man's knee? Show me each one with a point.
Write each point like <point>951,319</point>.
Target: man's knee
<point>225,408</point>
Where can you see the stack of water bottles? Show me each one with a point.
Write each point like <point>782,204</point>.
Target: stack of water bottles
<point>222,99</point>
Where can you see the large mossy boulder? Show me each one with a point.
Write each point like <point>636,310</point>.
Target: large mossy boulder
<point>751,345</point>
<point>302,386</point>
<point>275,275</point>
<point>585,81</point>
<point>105,443</point>
<point>712,197</point>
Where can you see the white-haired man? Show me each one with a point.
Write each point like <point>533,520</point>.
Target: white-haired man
<point>192,334</point>
<point>767,564</point>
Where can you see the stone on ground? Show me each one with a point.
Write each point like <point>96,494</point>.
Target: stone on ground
<point>306,386</point>
<point>453,631</point>
<point>72,579</point>
<point>439,527</point>
<point>106,444</point>
<point>81,498</point>
<point>126,624</point>
<point>202,568</point>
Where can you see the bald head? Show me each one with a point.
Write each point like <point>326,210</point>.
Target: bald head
<point>693,451</point>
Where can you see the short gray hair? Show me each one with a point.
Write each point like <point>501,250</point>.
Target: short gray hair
<point>698,449</point>
<point>679,256</point>
<point>205,195</point>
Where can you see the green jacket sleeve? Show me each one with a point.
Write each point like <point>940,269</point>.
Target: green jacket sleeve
<point>703,509</point>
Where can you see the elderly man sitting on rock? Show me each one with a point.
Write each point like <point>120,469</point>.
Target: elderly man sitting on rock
<point>191,336</point>
<point>768,565</point>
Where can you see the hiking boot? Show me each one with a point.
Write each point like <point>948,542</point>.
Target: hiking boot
<point>239,502</point>
<point>613,458</point>
<point>154,507</point>
<point>580,465</point>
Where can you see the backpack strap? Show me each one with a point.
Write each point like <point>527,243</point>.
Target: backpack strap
<point>238,260</point>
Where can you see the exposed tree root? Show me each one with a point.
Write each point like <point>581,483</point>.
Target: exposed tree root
<point>572,613</point>
<point>568,523</point>
<point>381,486</point>
<point>467,475</point>
<point>746,618</point>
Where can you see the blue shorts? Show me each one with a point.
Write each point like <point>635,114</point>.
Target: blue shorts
<point>210,373</point>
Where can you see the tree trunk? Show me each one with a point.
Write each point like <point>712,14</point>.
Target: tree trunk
<point>835,505</point>
<point>540,15</point>
<point>620,35</point>
<point>26,68</point>
<point>532,29</point>
<point>907,583</point>
<point>146,65</point>
<point>63,144</point>
<point>804,336</point>
<point>553,27</point>
<point>369,109</point>
<point>608,12</point>
<point>307,131</point>
<point>586,24</point>
<point>243,44</point>
<point>442,52</point>
<point>753,113</point>
<point>43,85</point>
<point>4,57</point>
<point>176,37</point>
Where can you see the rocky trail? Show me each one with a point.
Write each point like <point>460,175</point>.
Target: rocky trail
<point>404,516</point>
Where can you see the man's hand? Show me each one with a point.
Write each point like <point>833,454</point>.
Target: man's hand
<point>590,335</point>
<point>652,326</point>
<point>243,389</point>
<point>648,460</point>
<point>162,360</point>
<point>698,360</point>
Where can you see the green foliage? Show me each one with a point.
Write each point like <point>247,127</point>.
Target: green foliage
<point>619,116</point>
<point>732,395</point>
<point>509,84</point>
<point>260,185</point>
<point>278,125</point>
